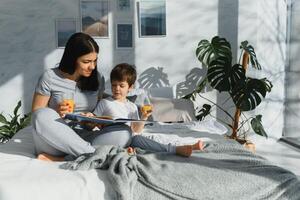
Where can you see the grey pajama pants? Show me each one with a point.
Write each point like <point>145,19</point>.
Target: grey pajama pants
<point>52,135</point>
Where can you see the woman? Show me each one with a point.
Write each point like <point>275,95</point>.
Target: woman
<point>76,73</point>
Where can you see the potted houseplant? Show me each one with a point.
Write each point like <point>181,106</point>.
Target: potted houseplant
<point>224,76</point>
<point>9,127</point>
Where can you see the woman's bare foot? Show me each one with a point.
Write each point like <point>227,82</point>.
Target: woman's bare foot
<point>48,157</point>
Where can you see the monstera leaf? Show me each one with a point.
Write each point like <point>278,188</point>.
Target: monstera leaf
<point>198,89</point>
<point>257,126</point>
<point>203,112</point>
<point>207,52</point>
<point>249,49</point>
<point>222,76</point>
<point>248,94</point>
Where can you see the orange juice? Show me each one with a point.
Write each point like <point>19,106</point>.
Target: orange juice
<point>70,103</point>
<point>146,108</point>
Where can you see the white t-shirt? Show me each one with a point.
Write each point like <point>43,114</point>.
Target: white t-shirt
<point>116,109</point>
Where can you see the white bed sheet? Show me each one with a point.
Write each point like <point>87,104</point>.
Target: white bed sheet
<point>24,177</point>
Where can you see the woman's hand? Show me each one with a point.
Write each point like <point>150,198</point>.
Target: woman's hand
<point>63,108</point>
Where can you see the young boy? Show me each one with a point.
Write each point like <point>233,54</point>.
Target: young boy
<point>123,77</point>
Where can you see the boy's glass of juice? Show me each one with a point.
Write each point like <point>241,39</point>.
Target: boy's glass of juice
<point>147,106</point>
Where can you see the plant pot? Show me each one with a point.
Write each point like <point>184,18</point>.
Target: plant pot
<point>247,144</point>
<point>250,146</point>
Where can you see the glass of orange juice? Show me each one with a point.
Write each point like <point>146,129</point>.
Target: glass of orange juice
<point>68,99</point>
<point>146,106</point>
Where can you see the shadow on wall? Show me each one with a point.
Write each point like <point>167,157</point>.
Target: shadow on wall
<point>156,78</point>
<point>153,78</point>
<point>192,80</point>
<point>27,37</point>
<point>157,82</point>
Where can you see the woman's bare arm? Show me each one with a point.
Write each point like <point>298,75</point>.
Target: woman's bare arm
<point>39,101</point>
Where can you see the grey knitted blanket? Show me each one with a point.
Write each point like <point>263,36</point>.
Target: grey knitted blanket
<point>225,170</point>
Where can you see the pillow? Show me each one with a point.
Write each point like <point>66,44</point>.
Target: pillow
<point>162,92</point>
<point>172,110</point>
<point>164,109</point>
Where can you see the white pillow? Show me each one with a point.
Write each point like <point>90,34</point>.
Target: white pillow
<point>162,92</point>
<point>164,108</point>
<point>172,110</point>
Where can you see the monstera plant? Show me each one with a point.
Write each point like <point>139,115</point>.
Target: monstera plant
<point>224,76</point>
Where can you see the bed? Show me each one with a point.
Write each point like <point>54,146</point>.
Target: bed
<point>225,170</point>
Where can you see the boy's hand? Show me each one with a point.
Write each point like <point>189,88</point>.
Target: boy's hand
<point>90,125</point>
<point>146,111</point>
<point>102,117</point>
<point>87,114</point>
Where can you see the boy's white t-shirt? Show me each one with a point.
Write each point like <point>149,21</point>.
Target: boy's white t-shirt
<point>116,109</point>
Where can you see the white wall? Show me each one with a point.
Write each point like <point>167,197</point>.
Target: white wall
<point>267,32</point>
<point>27,38</point>
<point>292,104</point>
<point>272,50</point>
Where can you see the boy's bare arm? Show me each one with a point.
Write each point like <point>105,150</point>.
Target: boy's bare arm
<point>137,127</point>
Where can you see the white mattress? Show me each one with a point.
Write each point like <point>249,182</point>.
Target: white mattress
<point>23,177</point>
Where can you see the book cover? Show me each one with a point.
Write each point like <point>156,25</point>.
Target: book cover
<point>99,120</point>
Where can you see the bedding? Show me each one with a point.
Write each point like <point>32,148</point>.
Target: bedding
<point>224,171</point>
<point>167,176</point>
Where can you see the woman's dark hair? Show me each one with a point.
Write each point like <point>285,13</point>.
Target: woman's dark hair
<point>80,44</point>
<point>123,72</point>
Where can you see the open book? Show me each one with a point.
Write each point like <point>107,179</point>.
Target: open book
<point>99,120</point>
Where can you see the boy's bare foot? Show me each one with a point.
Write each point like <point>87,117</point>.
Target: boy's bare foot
<point>199,145</point>
<point>48,157</point>
<point>185,150</point>
<point>130,150</point>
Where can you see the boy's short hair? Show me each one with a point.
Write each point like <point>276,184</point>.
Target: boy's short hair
<point>123,72</point>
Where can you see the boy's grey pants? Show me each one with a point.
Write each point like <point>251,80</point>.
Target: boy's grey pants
<point>53,136</point>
